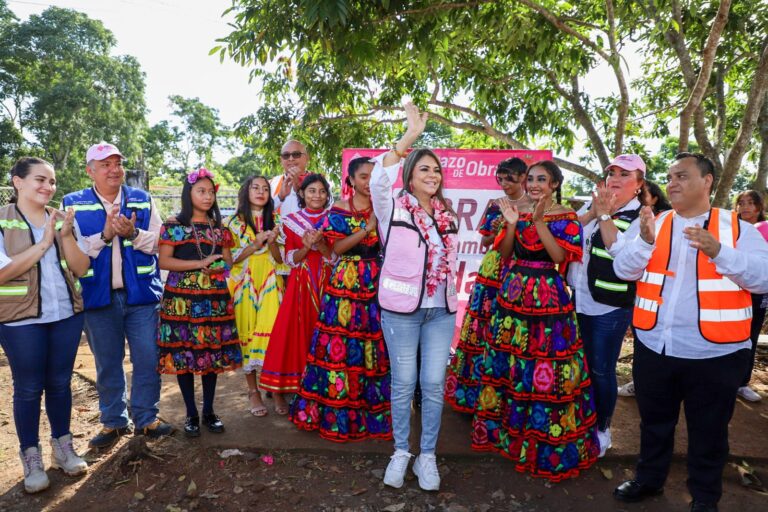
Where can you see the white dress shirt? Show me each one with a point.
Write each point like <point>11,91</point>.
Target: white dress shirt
<point>676,332</point>
<point>284,206</point>
<point>382,181</point>
<point>577,272</point>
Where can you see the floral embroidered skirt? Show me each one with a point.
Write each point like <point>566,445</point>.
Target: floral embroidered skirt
<point>197,331</point>
<point>462,383</point>
<point>535,404</point>
<point>345,388</point>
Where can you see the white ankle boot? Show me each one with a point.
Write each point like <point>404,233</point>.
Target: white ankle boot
<point>65,458</point>
<point>35,479</point>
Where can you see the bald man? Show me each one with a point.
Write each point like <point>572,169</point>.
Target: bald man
<point>285,188</point>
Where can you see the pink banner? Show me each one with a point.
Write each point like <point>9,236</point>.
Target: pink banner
<point>470,184</point>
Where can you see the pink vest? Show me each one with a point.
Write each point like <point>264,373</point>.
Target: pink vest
<point>403,273</point>
<point>762,227</point>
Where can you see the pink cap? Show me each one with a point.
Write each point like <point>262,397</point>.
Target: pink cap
<point>628,162</point>
<point>102,151</point>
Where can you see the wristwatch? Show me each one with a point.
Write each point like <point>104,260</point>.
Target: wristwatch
<point>105,239</point>
<point>134,234</point>
<point>604,217</point>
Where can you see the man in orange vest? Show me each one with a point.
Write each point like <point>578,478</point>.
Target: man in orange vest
<point>695,267</point>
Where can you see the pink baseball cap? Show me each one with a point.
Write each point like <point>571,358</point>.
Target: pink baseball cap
<point>628,162</point>
<point>102,151</point>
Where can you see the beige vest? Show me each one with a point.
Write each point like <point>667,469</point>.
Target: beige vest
<point>20,297</point>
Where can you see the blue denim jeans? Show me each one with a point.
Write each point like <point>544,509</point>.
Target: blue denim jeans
<point>107,329</point>
<point>602,336</point>
<point>41,357</point>
<point>431,330</point>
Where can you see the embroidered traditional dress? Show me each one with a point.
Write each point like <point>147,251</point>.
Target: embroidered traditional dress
<point>197,332</point>
<point>462,384</point>
<point>256,290</point>
<point>345,388</point>
<point>292,332</point>
<point>535,405</point>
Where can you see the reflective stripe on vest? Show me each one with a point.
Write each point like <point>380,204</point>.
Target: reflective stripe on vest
<point>13,224</point>
<point>724,308</point>
<point>86,207</point>
<point>621,224</point>
<point>614,287</point>
<point>12,291</point>
<point>602,253</point>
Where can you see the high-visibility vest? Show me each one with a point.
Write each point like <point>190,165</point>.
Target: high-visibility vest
<point>724,308</point>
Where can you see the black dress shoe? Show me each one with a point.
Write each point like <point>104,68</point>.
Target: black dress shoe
<point>213,423</point>
<point>192,426</point>
<point>700,506</point>
<point>632,491</point>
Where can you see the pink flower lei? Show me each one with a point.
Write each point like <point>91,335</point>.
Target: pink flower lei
<point>443,221</point>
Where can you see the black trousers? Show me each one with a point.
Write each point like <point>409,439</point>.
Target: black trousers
<point>707,389</point>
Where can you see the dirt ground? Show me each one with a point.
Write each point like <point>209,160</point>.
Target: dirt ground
<point>178,474</point>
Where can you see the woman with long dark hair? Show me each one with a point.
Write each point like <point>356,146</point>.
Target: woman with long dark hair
<point>345,388</point>
<point>197,334</point>
<point>40,316</point>
<point>417,293</point>
<point>309,256</point>
<point>254,284</point>
<point>535,406</point>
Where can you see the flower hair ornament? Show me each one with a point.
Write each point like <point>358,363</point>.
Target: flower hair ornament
<point>200,174</point>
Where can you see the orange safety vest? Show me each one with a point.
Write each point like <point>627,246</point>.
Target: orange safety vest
<point>724,308</point>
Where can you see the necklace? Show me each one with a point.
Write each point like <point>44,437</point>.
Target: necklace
<point>359,214</point>
<point>197,240</point>
<point>522,195</point>
<point>551,207</point>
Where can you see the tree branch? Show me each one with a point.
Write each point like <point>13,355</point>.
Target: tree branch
<point>581,115</point>
<point>707,62</point>
<point>720,99</point>
<point>762,165</point>
<point>623,110</point>
<point>748,122</point>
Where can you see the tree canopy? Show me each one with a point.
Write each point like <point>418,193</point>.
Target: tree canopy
<point>520,71</point>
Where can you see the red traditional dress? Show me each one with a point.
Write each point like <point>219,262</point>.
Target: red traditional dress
<point>289,343</point>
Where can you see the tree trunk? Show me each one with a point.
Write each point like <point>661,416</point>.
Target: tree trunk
<point>762,165</point>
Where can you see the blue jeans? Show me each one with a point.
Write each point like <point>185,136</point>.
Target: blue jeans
<point>42,357</point>
<point>431,330</point>
<point>602,336</point>
<point>107,329</point>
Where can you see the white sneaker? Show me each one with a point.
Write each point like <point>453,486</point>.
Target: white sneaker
<point>65,458</point>
<point>748,394</point>
<point>627,389</point>
<point>398,464</point>
<point>35,479</point>
<point>604,438</point>
<point>425,468</point>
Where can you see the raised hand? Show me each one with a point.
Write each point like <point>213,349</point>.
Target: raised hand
<point>702,240</point>
<point>603,201</point>
<point>543,205</point>
<point>509,211</point>
<point>647,225</point>
<point>68,226</point>
<point>50,231</point>
<point>417,121</point>
<point>371,223</point>
<point>109,229</point>
<point>123,226</point>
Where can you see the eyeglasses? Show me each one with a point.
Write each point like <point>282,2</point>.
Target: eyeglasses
<point>511,178</point>
<point>291,154</point>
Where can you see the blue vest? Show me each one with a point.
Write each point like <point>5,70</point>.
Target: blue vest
<point>141,274</point>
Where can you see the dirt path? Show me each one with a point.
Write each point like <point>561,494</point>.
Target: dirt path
<point>178,474</point>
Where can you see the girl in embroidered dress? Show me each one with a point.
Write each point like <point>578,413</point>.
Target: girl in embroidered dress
<point>308,255</point>
<point>197,334</point>
<point>535,405</point>
<point>462,383</point>
<point>344,390</point>
<point>417,293</point>
<point>255,286</point>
